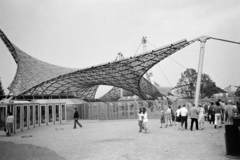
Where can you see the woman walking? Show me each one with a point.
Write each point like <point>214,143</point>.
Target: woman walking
<point>218,113</point>
<point>201,113</point>
<point>145,120</point>
<point>178,117</point>
<point>162,118</point>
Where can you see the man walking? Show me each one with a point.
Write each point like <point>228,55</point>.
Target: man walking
<point>184,114</point>
<point>193,113</point>
<point>76,116</point>
<point>230,111</point>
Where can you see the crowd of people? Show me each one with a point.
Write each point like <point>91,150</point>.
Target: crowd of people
<point>216,113</point>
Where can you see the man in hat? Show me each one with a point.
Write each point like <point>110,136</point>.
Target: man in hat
<point>76,116</point>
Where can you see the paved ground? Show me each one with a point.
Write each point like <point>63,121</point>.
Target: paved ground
<point>115,139</point>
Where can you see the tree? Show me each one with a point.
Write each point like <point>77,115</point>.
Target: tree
<point>1,88</point>
<point>188,81</point>
<point>237,93</point>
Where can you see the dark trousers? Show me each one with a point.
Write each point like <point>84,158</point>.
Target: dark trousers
<point>222,115</point>
<point>209,117</point>
<point>196,123</point>
<point>76,122</point>
<point>226,117</point>
<point>212,118</point>
<point>184,120</point>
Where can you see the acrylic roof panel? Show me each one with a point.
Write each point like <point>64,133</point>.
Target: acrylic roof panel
<point>35,77</point>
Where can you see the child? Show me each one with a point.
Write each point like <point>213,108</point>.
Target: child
<point>140,120</point>
<point>162,118</point>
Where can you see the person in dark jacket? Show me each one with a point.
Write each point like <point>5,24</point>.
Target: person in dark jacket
<point>193,113</point>
<point>76,116</point>
<point>211,113</point>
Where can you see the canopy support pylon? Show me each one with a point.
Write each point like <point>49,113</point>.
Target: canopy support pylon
<point>203,40</point>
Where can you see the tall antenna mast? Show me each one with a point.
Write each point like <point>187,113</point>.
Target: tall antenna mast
<point>149,74</point>
<point>144,41</point>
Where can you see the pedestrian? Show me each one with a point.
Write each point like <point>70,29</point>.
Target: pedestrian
<point>238,106</point>
<point>9,123</point>
<point>222,109</point>
<point>218,113</point>
<point>162,118</point>
<point>225,112</point>
<point>178,117</point>
<point>184,116</point>
<point>201,117</point>
<point>205,107</point>
<point>76,116</point>
<point>211,113</point>
<point>140,119</point>
<point>172,119</point>
<point>168,116</point>
<point>230,112</point>
<point>193,114</point>
<point>145,120</point>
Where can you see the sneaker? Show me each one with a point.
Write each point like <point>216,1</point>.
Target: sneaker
<point>215,126</point>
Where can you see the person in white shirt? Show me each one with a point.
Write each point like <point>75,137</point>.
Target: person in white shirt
<point>145,120</point>
<point>9,123</point>
<point>178,117</point>
<point>184,116</point>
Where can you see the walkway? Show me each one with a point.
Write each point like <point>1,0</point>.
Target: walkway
<point>114,139</point>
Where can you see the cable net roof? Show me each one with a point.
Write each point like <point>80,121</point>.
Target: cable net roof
<point>148,89</point>
<point>35,77</point>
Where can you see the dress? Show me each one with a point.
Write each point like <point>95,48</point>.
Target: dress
<point>168,114</point>
<point>162,117</point>
<point>200,114</point>
<point>178,118</point>
<point>140,120</point>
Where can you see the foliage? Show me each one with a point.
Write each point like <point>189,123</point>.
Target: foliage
<point>188,81</point>
<point>237,93</point>
<point>1,89</point>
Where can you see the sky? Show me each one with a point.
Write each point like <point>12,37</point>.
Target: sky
<point>83,33</point>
